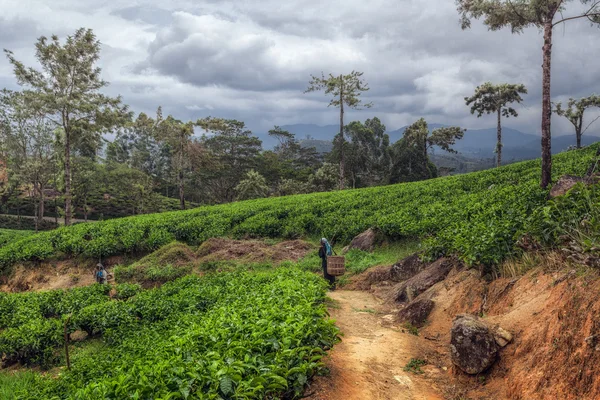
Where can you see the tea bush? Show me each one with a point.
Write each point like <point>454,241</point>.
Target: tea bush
<point>476,216</point>
<point>11,235</point>
<point>223,336</point>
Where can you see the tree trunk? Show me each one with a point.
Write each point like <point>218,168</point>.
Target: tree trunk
<point>67,177</point>
<point>55,209</point>
<point>546,107</point>
<point>578,132</point>
<point>35,207</point>
<point>85,208</point>
<point>41,205</point>
<point>341,132</point>
<point>425,156</point>
<point>499,144</point>
<point>181,189</point>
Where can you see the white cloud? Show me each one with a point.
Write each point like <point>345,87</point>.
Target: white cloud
<point>252,60</point>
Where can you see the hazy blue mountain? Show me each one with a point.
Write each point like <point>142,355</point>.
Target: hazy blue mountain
<point>477,143</point>
<point>480,143</point>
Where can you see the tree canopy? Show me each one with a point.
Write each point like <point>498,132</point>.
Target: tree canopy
<point>574,113</point>
<point>345,90</point>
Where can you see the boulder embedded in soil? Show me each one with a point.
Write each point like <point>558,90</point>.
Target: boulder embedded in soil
<point>416,312</point>
<point>406,268</point>
<point>564,184</point>
<point>408,290</point>
<point>473,347</point>
<point>366,241</point>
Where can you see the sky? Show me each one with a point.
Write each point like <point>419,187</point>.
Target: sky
<point>252,60</point>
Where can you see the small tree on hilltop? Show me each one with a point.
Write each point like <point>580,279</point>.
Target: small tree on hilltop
<point>518,15</point>
<point>254,186</point>
<point>345,90</point>
<point>418,136</point>
<point>490,98</point>
<point>574,113</point>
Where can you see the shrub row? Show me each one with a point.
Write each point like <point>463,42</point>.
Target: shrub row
<point>477,216</point>
<point>223,336</point>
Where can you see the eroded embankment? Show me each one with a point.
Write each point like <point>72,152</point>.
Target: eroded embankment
<point>553,316</point>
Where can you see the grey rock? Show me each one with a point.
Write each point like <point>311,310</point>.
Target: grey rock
<point>473,347</point>
<point>406,291</point>
<point>416,312</point>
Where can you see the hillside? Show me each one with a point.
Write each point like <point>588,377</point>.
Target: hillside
<point>476,216</point>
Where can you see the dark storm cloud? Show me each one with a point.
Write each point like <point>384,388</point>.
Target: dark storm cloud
<point>11,31</point>
<point>252,60</point>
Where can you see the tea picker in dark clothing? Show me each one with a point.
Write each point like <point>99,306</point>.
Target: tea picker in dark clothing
<point>324,251</point>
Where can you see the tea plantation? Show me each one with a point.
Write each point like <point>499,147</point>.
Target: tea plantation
<point>11,235</point>
<point>476,216</point>
<point>225,336</point>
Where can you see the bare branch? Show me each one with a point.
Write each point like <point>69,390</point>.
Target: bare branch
<point>588,14</point>
<point>586,128</point>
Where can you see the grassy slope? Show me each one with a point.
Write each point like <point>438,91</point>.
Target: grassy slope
<point>477,216</point>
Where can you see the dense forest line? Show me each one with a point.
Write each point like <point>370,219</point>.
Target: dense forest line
<point>57,162</point>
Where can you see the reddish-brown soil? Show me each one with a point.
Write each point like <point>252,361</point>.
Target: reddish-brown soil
<point>219,249</point>
<point>57,275</point>
<point>553,316</point>
<point>369,362</point>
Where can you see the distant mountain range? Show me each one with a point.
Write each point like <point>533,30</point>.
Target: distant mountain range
<point>477,143</point>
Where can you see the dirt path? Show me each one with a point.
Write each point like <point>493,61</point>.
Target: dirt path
<point>369,362</point>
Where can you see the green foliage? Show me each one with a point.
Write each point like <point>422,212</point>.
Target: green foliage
<point>521,14</point>
<point>240,335</point>
<point>413,330</point>
<point>127,290</point>
<point>490,98</point>
<point>368,153</point>
<point>478,216</point>
<point>24,223</point>
<point>253,186</point>
<point>168,263</point>
<point>345,90</point>
<point>67,91</point>
<point>410,164</point>
<point>414,365</point>
<point>234,150</point>
<point>574,113</point>
<point>574,217</point>
<point>10,235</point>
<point>33,342</point>
<point>13,384</point>
<point>411,158</point>
<point>154,273</point>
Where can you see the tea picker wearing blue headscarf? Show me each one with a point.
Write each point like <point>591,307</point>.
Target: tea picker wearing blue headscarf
<point>324,251</point>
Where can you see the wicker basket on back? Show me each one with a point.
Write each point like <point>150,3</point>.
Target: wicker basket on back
<point>336,265</point>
